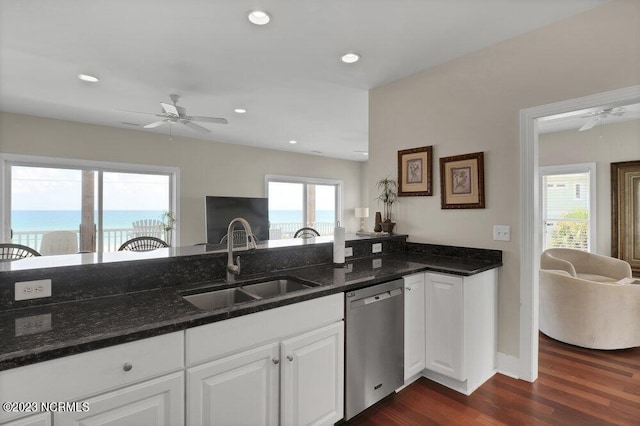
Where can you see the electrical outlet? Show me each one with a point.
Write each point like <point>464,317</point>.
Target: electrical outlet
<point>501,233</point>
<point>348,251</point>
<point>377,263</point>
<point>25,290</point>
<point>33,324</point>
<point>376,248</point>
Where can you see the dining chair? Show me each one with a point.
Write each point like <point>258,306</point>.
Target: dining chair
<point>306,232</point>
<point>59,242</point>
<point>10,251</point>
<point>143,244</point>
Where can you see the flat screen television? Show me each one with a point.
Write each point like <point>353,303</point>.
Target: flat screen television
<point>220,211</point>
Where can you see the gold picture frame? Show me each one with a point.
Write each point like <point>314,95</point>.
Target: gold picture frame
<point>462,181</point>
<point>415,172</point>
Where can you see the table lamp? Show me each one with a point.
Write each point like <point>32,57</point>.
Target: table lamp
<point>362,212</point>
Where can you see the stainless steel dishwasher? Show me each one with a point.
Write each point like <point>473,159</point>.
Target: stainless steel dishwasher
<point>374,344</point>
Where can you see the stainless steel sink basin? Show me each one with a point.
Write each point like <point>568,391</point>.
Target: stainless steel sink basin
<point>218,299</point>
<point>274,288</point>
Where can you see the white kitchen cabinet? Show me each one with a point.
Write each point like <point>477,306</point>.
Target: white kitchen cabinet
<point>312,377</point>
<point>41,419</point>
<point>460,329</point>
<point>156,402</point>
<point>414,326</point>
<point>281,366</point>
<point>240,389</point>
<point>90,374</point>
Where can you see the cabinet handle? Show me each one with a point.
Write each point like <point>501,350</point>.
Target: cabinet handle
<point>290,357</point>
<point>276,361</point>
<point>409,288</point>
<point>127,366</point>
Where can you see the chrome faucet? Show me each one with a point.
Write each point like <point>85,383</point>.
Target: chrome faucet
<point>234,269</point>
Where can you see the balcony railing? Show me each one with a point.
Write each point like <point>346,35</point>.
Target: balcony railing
<point>113,238</point>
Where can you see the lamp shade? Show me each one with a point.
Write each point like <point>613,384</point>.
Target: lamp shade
<point>362,212</point>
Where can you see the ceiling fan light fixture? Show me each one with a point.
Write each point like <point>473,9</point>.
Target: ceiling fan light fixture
<point>259,17</point>
<point>350,58</point>
<point>240,110</point>
<point>88,78</point>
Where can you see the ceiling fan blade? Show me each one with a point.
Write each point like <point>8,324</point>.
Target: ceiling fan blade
<point>196,127</point>
<point>170,109</point>
<point>209,119</point>
<point>155,124</point>
<point>589,124</point>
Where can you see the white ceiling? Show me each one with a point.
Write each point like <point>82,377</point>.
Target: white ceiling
<point>576,119</point>
<point>287,74</point>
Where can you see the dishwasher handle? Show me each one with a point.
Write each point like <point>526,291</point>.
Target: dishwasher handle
<point>355,304</point>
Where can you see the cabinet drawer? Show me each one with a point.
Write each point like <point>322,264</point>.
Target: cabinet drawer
<point>78,376</point>
<point>215,340</point>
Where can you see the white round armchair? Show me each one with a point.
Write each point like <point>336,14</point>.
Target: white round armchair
<point>582,302</point>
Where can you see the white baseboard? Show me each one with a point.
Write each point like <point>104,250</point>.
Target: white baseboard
<point>508,365</point>
<point>409,381</point>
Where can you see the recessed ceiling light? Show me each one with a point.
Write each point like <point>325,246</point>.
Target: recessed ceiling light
<point>240,110</point>
<point>350,58</point>
<point>89,78</point>
<point>259,17</point>
<point>293,142</point>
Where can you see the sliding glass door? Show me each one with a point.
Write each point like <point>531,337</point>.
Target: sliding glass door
<point>66,209</point>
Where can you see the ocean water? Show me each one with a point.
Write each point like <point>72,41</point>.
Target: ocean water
<point>47,220</point>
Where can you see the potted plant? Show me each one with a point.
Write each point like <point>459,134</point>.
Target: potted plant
<point>168,223</point>
<point>388,195</point>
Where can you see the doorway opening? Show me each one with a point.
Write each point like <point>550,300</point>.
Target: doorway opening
<point>530,208</point>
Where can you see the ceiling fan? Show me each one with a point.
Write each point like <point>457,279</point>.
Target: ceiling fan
<point>173,113</point>
<point>597,116</point>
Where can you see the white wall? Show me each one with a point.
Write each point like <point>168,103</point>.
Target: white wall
<point>206,168</point>
<point>472,104</point>
<point>602,145</point>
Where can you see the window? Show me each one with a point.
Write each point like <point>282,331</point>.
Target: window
<point>295,203</point>
<point>568,206</point>
<point>99,202</point>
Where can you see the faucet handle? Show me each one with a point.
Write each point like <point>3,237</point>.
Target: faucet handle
<point>238,264</point>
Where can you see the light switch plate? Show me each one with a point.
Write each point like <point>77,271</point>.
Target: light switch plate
<point>501,233</point>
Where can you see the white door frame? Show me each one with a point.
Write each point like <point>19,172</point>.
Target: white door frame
<point>530,212</point>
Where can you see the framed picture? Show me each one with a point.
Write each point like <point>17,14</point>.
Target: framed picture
<point>415,171</point>
<point>462,181</point>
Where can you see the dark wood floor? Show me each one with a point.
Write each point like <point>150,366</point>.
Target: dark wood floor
<point>576,386</point>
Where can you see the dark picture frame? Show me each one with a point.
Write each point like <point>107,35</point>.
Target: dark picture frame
<point>625,184</point>
<point>415,172</point>
<point>462,181</point>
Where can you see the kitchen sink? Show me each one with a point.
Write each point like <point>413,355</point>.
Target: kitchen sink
<point>274,288</point>
<point>218,299</point>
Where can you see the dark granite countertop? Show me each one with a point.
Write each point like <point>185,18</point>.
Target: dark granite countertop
<point>40,333</point>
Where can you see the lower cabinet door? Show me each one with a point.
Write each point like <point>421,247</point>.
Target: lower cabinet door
<point>444,325</point>
<point>154,402</point>
<point>241,389</point>
<point>42,419</point>
<point>414,325</point>
<point>312,380</point>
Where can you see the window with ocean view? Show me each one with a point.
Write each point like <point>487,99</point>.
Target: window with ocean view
<point>85,209</point>
<point>295,203</point>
